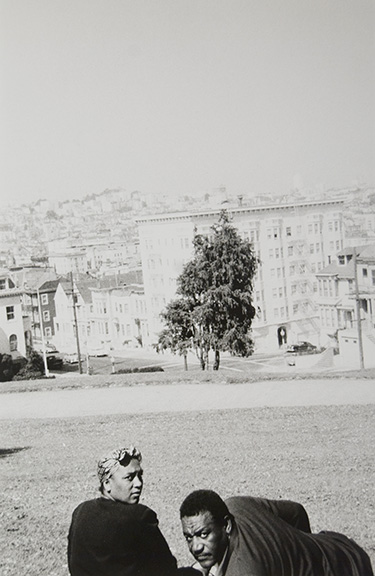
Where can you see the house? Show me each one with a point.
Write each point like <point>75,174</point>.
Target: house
<point>15,336</point>
<point>71,323</point>
<point>109,313</point>
<point>346,293</point>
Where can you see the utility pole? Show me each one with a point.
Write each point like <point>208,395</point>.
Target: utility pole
<point>76,324</point>
<point>358,312</point>
<point>46,371</point>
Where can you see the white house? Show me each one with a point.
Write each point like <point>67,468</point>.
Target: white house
<point>346,287</point>
<point>14,329</point>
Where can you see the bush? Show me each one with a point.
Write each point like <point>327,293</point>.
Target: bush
<point>6,367</point>
<point>33,369</point>
<point>143,369</point>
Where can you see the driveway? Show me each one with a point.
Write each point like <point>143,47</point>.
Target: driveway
<point>184,397</point>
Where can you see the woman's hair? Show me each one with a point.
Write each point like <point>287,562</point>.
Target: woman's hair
<point>112,461</point>
<point>204,501</point>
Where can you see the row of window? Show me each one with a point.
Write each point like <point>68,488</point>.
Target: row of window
<point>283,311</point>
<point>172,241</point>
<point>328,317</point>
<point>328,287</point>
<point>365,275</point>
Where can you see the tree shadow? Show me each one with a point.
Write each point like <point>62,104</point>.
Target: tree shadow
<point>4,452</point>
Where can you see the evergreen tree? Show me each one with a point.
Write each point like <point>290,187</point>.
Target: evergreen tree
<point>214,309</point>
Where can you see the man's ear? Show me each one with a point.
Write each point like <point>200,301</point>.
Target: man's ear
<point>106,485</point>
<point>228,525</point>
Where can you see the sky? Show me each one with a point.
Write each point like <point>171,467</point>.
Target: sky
<point>179,97</point>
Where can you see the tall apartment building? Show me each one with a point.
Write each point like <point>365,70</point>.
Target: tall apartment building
<point>292,241</point>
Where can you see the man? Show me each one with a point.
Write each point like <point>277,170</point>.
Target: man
<point>246,536</point>
<point>114,535</point>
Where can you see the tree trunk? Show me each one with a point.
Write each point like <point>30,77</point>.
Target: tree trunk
<point>203,358</point>
<point>217,360</point>
<point>185,362</point>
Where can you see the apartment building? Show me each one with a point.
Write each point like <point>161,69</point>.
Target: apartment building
<point>292,241</point>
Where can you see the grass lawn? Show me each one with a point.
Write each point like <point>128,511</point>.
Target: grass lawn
<point>320,456</point>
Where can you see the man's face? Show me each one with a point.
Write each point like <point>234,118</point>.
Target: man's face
<point>126,483</point>
<point>207,539</point>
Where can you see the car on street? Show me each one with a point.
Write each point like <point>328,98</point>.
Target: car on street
<point>72,358</point>
<point>302,348</point>
<point>54,362</point>
<point>97,351</point>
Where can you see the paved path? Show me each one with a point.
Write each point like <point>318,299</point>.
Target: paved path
<point>184,397</point>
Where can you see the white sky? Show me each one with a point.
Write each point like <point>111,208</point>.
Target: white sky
<point>180,96</point>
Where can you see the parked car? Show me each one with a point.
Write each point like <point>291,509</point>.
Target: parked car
<point>72,358</point>
<point>97,351</point>
<point>302,348</point>
<point>54,362</point>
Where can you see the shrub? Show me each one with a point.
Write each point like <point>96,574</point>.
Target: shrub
<point>33,369</point>
<point>143,369</point>
<point>6,367</point>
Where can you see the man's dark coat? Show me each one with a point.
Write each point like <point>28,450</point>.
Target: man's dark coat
<point>273,538</point>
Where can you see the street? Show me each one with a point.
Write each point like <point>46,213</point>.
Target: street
<point>184,397</point>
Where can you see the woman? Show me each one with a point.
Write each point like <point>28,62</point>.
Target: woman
<point>114,535</point>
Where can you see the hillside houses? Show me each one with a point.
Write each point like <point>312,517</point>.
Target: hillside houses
<point>347,296</point>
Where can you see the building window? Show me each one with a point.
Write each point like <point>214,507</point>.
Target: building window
<point>44,299</point>
<point>48,332</point>
<point>46,316</point>
<point>288,231</point>
<point>2,284</point>
<point>364,272</point>
<point>13,342</point>
<point>373,277</point>
<point>10,312</point>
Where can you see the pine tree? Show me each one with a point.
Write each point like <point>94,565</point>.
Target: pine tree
<point>214,308</point>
